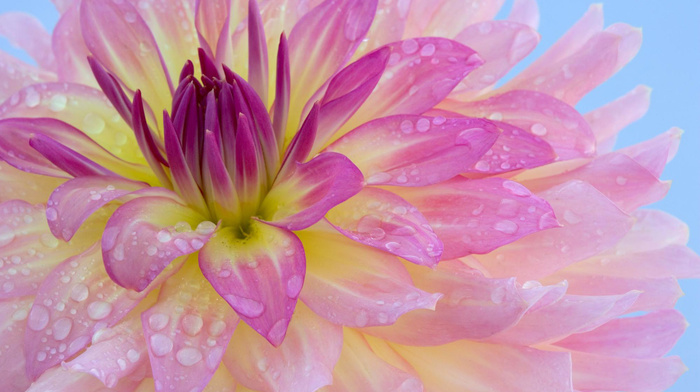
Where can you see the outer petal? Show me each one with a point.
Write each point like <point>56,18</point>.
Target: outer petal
<point>60,379</point>
<point>18,184</point>
<point>28,250</point>
<point>415,150</point>
<point>479,367</point>
<point>353,285</point>
<point>303,196</point>
<point>591,224</point>
<point>381,219</point>
<point>187,330</point>
<point>655,153</point>
<point>388,25</point>
<point>555,121</point>
<point>22,75</point>
<point>608,120</point>
<point>76,300</point>
<point>144,235</point>
<point>450,16</point>
<point>300,364</point>
<point>69,48</point>
<point>478,216</point>
<point>13,314</point>
<point>360,369</point>
<point>27,33</point>
<point>260,275</point>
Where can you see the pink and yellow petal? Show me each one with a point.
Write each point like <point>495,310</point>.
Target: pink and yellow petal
<point>13,316</point>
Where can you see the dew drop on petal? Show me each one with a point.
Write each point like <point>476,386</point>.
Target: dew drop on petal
<point>217,327</point>
<point>294,285</point>
<point>164,236</point>
<point>51,214</point>
<point>192,324</point>
<point>79,293</point>
<point>160,344</point>
<point>361,318</point>
<point>133,355</point>
<point>158,321</point>
<point>6,235</point>
<point>61,328</point>
<point>409,46</point>
<point>57,103</point>
<point>93,124</point>
<point>245,306</point>
<point>538,129</point>
<point>38,318</point>
<point>48,240</point>
<point>516,188</point>
<point>278,330</point>
<point>423,125</point>
<point>99,310</point>
<point>188,356</point>
<point>506,226</point>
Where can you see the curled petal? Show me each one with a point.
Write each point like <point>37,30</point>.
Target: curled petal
<point>145,234</point>
<point>260,274</point>
<point>304,196</point>
<point>606,121</point>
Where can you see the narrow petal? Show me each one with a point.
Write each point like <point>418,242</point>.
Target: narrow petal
<point>28,249</point>
<point>478,367</point>
<point>280,108</point>
<point>415,150</point>
<point>648,336</point>
<point>305,195</point>
<point>556,122</point>
<point>259,275</point>
<point>352,285</point>
<point>384,220</point>
<point>606,121</point>
<point>13,316</point>
<point>76,300</point>
<point>218,186</point>
<point>478,216</point>
<point>212,24</point>
<point>70,161</point>
<point>187,337</point>
<point>27,33</point>
<point>257,52</point>
<point>299,364</point>
<point>300,146</point>
<point>145,234</point>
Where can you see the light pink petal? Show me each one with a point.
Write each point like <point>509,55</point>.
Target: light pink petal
<point>606,121</point>
<point>414,150</point>
<point>121,41</point>
<point>212,24</point>
<point>63,5</point>
<point>144,235</point>
<point>28,250</point>
<point>501,44</point>
<point>590,224</point>
<point>648,336</point>
<point>75,200</point>
<point>604,373</point>
<point>69,48</point>
<point>27,33</point>
<point>387,26</point>
<point>480,367</point>
<point>420,73</point>
<point>360,369</point>
<point>32,188</point>
<point>652,230</point>
<point>570,314</point>
<point>451,16</point>
<point>85,108</point>
<point>299,364</point>
<point>13,313</point>
<point>382,219</point>
<point>478,216</point>
<point>303,196</point>
<point>617,176</point>
<point>353,285</point>
<point>260,276</point>
<point>60,379</point>
<point>187,330</point>
<point>473,307</point>
<point>17,74</point>
<point>655,153</point>
<point>76,300</point>
<point>326,36</point>
<point>526,12</point>
<point>115,353</point>
<point>555,121</point>
<point>630,42</point>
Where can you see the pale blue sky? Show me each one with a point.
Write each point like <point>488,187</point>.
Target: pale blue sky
<point>668,62</point>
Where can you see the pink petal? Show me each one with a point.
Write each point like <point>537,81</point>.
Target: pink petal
<point>415,150</point>
<point>501,44</point>
<point>451,16</point>
<point>63,5</point>
<point>144,235</point>
<point>28,249</point>
<point>32,188</point>
<point>360,369</point>
<point>22,75</point>
<point>69,48</point>
<point>525,12</point>
<point>606,121</point>
<point>187,337</point>
<point>387,26</point>
<point>26,32</point>
<point>605,373</point>
<point>114,354</point>
<point>60,379</point>
<point>121,41</point>
<point>75,200</point>
<point>655,153</point>
<point>590,224</point>
<point>13,313</point>
<point>570,314</point>
<point>299,364</point>
<point>478,216</point>
<point>302,197</point>
<point>648,336</point>
<point>652,230</point>
<point>212,24</point>
<point>260,276</point>
<point>471,366</point>
<point>326,36</point>
<point>617,176</point>
<point>555,121</point>
<point>473,307</point>
<point>76,300</point>
<point>352,285</point>
<point>381,219</point>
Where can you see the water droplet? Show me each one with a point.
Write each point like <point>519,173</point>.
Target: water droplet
<point>192,324</point>
<point>361,318</point>
<point>377,233</point>
<point>464,138</point>
<point>571,217</point>
<point>196,244</point>
<point>57,103</point>
<point>160,344</point>
<point>406,126</point>
<point>130,17</point>
<point>538,129</point>
<point>8,286</point>
<point>6,235</point>
<point>439,120</point>
<point>61,328</point>
<point>41,356</point>
<point>262,364</point>
<point>158,321</point>
<point>93,124</point>
<point>516,188</point>
<point>423,125</point>
<point>118,252</point>
<point>38,318</point>
<point>245,306</point>
<point>392,246</point>
<point>98,310</point>
<point>482,166</point>
<point>294,285</point>
<point>409,46</point>
<point>51,214</point>
<point>506,227</point>
<point>278,330</point>
<point>188,356</point>
<point>217,327</point>
<point>205,228</point>
<point>133,355</point>
<point>79,293</point>
<point>427,50</point>
<point>379,178</point>
<point>620,180</point>
<point>32,98</point>
<point>164,236</point>
<point>151,250</point>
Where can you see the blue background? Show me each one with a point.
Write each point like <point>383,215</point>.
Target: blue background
<point>669,62</point>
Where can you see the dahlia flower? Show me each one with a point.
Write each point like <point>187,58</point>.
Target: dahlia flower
<point>332,195</point>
